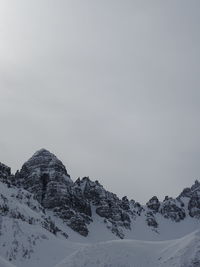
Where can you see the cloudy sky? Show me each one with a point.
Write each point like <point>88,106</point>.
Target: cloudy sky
<point>112,87</point>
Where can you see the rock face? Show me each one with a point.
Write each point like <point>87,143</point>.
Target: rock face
<point>171,208</point>
<point>107,205</point>
<point>154,204</point>
<point>5,172</point>
<point>192,197</point>
<point>76,203</point>
<point>46,177</point>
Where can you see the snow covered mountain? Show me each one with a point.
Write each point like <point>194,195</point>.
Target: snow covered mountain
<point>47,219</point>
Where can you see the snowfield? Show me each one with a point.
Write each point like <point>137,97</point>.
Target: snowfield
<point>56,252</point>
<point>4,263</point>
<point>183,252</point>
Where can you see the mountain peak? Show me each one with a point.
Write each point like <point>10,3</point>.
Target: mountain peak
<point>42,172</point>
<point>42,152</point>
<point>44,157</point>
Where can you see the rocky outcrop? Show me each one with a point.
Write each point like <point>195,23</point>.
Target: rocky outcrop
<point>151,220</point>
<point>191,196</point>
<point>5,173</point>
<point>116,212</point>
<point>194,206</point>
<point>190,191</point>
<point>172,209</point>
<point>153,204</point>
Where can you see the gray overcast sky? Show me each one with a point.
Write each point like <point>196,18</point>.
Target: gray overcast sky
<point>112,87</point>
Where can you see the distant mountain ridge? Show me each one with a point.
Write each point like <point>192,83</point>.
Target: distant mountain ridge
<point>43,196</point>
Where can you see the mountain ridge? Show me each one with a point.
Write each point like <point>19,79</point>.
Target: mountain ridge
<point>46,177</point>
<point>42,195</point>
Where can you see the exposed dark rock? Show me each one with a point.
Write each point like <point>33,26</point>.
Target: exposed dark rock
<point>192,191</point>
<point>5,171</point>
<point>193,198</point>
<point>153,204</point>
<point>108,205</point>
<point>194,206</point>
<point>77,223</point>
<point>5,174</point>
<point>125,205</point>
<point>172,209</point>
<point>150,219</point>
<point>104,211</point>
<point>44,175</point>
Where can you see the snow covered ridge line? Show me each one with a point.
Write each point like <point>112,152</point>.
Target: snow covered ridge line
<point>76,203</point>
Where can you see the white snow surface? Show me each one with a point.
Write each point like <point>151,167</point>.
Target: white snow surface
<point>4,263</point>
<point>183,252</point>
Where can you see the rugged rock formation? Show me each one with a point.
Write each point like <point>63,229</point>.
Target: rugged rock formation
<point>46,177</point>
<point>191,196</point>
<point>5,173</point>
<point>76,203</point>
<point>115,211</point>
<point>172,209</point>
<point>154,204</point>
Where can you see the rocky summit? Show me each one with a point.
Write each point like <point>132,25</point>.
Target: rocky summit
<point>43,196</point>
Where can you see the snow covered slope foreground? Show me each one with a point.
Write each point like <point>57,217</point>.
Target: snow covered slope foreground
<point>45,217</point>
<point>184,252</point>
<point>4,263</point>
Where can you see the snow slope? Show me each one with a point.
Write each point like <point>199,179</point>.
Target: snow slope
<point>4,263</point>
<point>183,252</point>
